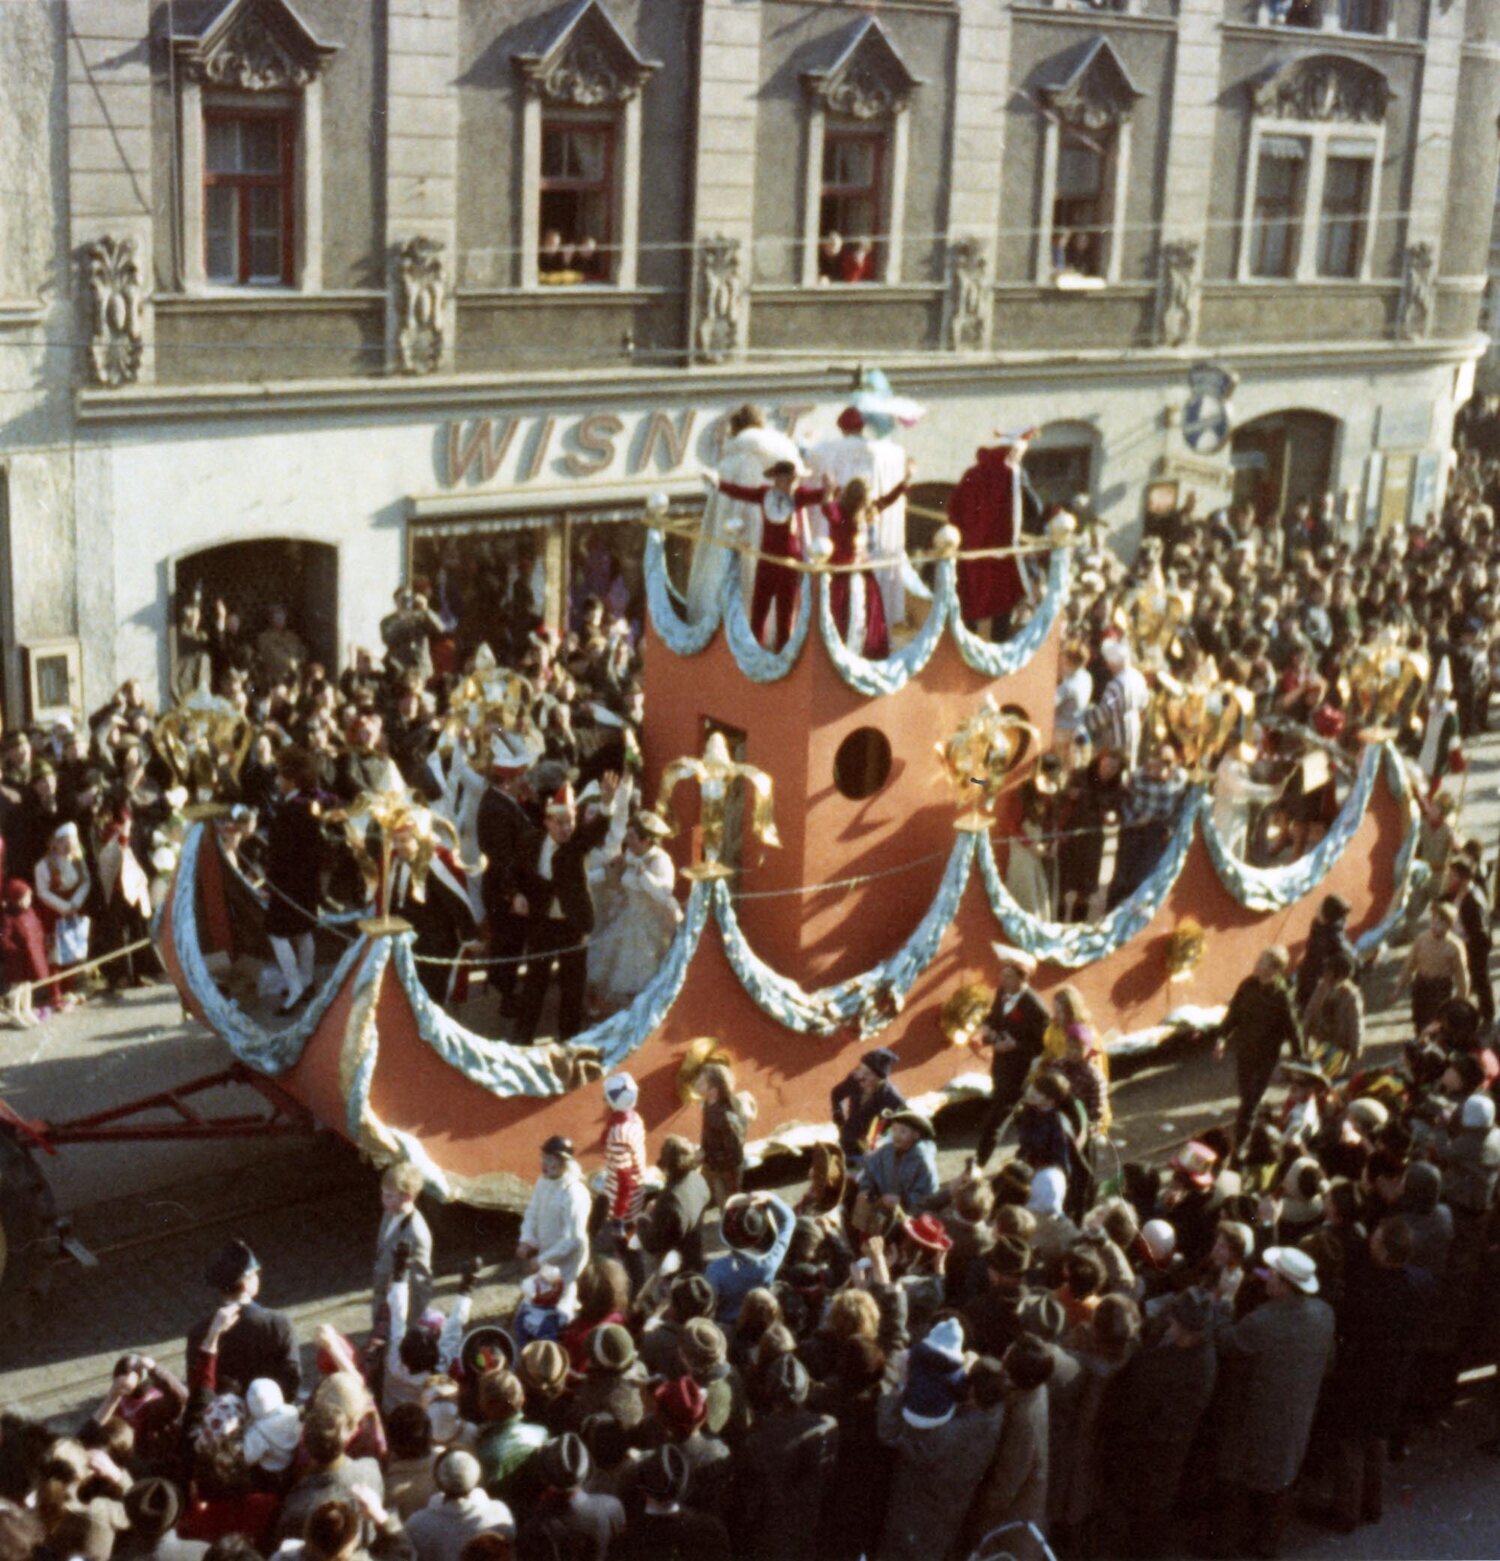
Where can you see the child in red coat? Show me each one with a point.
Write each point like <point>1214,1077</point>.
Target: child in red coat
<point>25,950</point>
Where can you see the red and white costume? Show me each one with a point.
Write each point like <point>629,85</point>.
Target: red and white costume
<point>624,1150</point>
<point>783,525</point>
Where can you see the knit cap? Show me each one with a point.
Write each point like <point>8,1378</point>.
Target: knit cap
<point>936,1377</point>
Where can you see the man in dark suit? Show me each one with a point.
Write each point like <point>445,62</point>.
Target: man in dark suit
<point>439,912</point>
<point>1465,889</point>
<point>559,910</point>
<point>293,855</point>
<point>1013,1028</point>
<point>507,831</point>
<point>250,1340</point>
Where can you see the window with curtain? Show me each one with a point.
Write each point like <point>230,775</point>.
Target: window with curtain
<point>849,211</point>
<point>577,201</point>
<point>248,198</point>
<point>1280,184</point>
<point>1347,179</point>
<point>1080,204</point>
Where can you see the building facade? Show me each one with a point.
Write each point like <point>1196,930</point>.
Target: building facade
<point>301,299</point>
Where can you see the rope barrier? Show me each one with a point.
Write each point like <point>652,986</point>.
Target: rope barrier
<point>65,972</point>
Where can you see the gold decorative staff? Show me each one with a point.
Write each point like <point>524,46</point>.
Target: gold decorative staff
<point>491,698</point>
<point>1200,717</point>
<point>1381,678</point>
<point>406,827</point>
<point>715,772</point>
<point>195,737</point>
<point>979,756</point>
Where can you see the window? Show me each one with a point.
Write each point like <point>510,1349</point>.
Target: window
<point>1346,203</point>
<point>247,198</point>
<point>1080,205</point>
<point>1060,473</point>
<point>576,218</point>
<point>862,764</point>
<point>849,209</point>
<point>1279,183</point>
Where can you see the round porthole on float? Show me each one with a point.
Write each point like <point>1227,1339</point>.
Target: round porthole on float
<point>862,764</point>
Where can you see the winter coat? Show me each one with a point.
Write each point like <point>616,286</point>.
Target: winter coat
<point>1471,1163</point>
<point>783,1463</point>
<point>442,1528</point>
<point>1381,1321</point>
<point>932,1483</point>
<point>735,1274</point>
<point>1152,1413</point>
<point>912,1177</point>
<point>675,1220</point>
<point>1277,1357</point>
<point>557,1224</point>
<point>1014,1488</point>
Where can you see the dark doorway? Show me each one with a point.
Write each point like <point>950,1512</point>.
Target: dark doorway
<point>1281,459</point>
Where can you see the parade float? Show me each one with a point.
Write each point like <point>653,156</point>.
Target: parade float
<point>839,823</point>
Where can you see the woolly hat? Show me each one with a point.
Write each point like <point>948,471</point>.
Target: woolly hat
<point>230,1265</point>
<point>621,1091</point>
<point>564,1462</point>
<point>1160,1239</point>
<point>543,1365</point>
<point>153,1507</point>
<point>275,1427</point>
<point>681,1405</point>
<point>611,1348</point>
<point>702,1345</point>
<point>560,1146</point>
<point>851,421</point>
<point>936,1377</point>
<point>1049,1187</point>
<point>457,1472</point>
<point>881,1062</point>
<point>1424,1185</point>
<point>1478,1112</point>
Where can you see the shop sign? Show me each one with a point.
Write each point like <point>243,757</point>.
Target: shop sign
<point>516,448</point>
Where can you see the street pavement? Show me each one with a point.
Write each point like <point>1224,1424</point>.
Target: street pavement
<point>152,1214</point>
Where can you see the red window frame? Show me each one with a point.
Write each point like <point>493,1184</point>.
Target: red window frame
<point>874,191</point>
<point>604,186</point>
<point>284,180</point>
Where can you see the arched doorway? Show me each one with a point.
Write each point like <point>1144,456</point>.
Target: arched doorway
<point>254,577</point>
<point>1062,463</point>
<point>1282,458</point>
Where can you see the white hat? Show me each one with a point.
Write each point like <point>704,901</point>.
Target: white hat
<point>1442,680</point>
<point>1297,1268</point>
<point>275,1427</point>
<point>1478,1112</point>
<point>1116,653</point>
<point>68,832</point>
<point>1048,1189</point>
<point>621,1091</point>
<point>1160,1239</point>
<point>510,751</point>
<point>1024,962</point>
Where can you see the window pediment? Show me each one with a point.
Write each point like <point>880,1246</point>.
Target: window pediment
<point>866,79</point>
<point>253,46</point>
<point>1091,89</point>
<point>585,61</point>
<point>1323,87</point>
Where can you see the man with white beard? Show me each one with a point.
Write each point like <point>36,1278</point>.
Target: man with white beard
<point>750,448</point>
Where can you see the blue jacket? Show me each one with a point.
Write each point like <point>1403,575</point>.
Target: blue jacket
<point>735,1275</point>
<point>913,1178</point>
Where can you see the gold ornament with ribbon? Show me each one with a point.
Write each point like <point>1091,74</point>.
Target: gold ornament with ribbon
<point>406,826</point>
<point>715,773</point>
<point>700,1054</point>
<point>978,758</point>
<point>491,698</point>
<point>963,1012</point>
<point>1381,678</point>
<point>1200,717</point>
<point>1185,949</point>
<point>197,737</point>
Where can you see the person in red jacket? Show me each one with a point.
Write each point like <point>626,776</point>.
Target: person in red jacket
<point>986,509</point>
<point>850,518</point>
<point>24,944</point>
<point>783,534</point>
<point>625,1171</point>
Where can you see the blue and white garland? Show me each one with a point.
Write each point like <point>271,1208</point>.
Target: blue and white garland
<point>686,637</point>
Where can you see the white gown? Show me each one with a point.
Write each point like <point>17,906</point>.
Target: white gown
<point>629,948</point>
<point>1234,795</point>
<point>744,462</point>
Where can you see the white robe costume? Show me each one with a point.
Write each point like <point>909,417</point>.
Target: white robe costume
<point>633,942</point>
<point>744,462</point>
<point>1234,795</point>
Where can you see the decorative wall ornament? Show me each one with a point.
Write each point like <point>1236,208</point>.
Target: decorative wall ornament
<point>421,291</point>
<point>721,298</point>
<point>968,295</point>
<point>1093,90</point>
<point>254,46</point>
<point>1418,292</point>
<point>116,301</point>
<point>1321,87</point>
<point>1177,293</point>
<point>867,79</point>
<point>586,62</point>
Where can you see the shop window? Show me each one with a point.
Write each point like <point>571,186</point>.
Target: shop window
<point>1279,181</point>
<point>576,216</point>
<point>1347,180</point>
<point>247,198</point>
<point>849,212</point>
<point>862,764</point>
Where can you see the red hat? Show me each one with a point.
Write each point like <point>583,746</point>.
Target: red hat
<point>851,421</point>
<point>681,1405</point>
<point>927,1231</point>
<point>1196,1163</point>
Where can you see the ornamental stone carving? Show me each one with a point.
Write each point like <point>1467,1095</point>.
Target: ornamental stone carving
<point>1177,294</point>
<point>115,301</point>
<point>1095,91</point>
<point>421,296</point>
<point>1418,293</point>
<point>968,296</point>
<point>1324,87</point>
<point>254,46</point>
<point>867,79</point>
<point>586,63</point>
<point>721,299</point>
